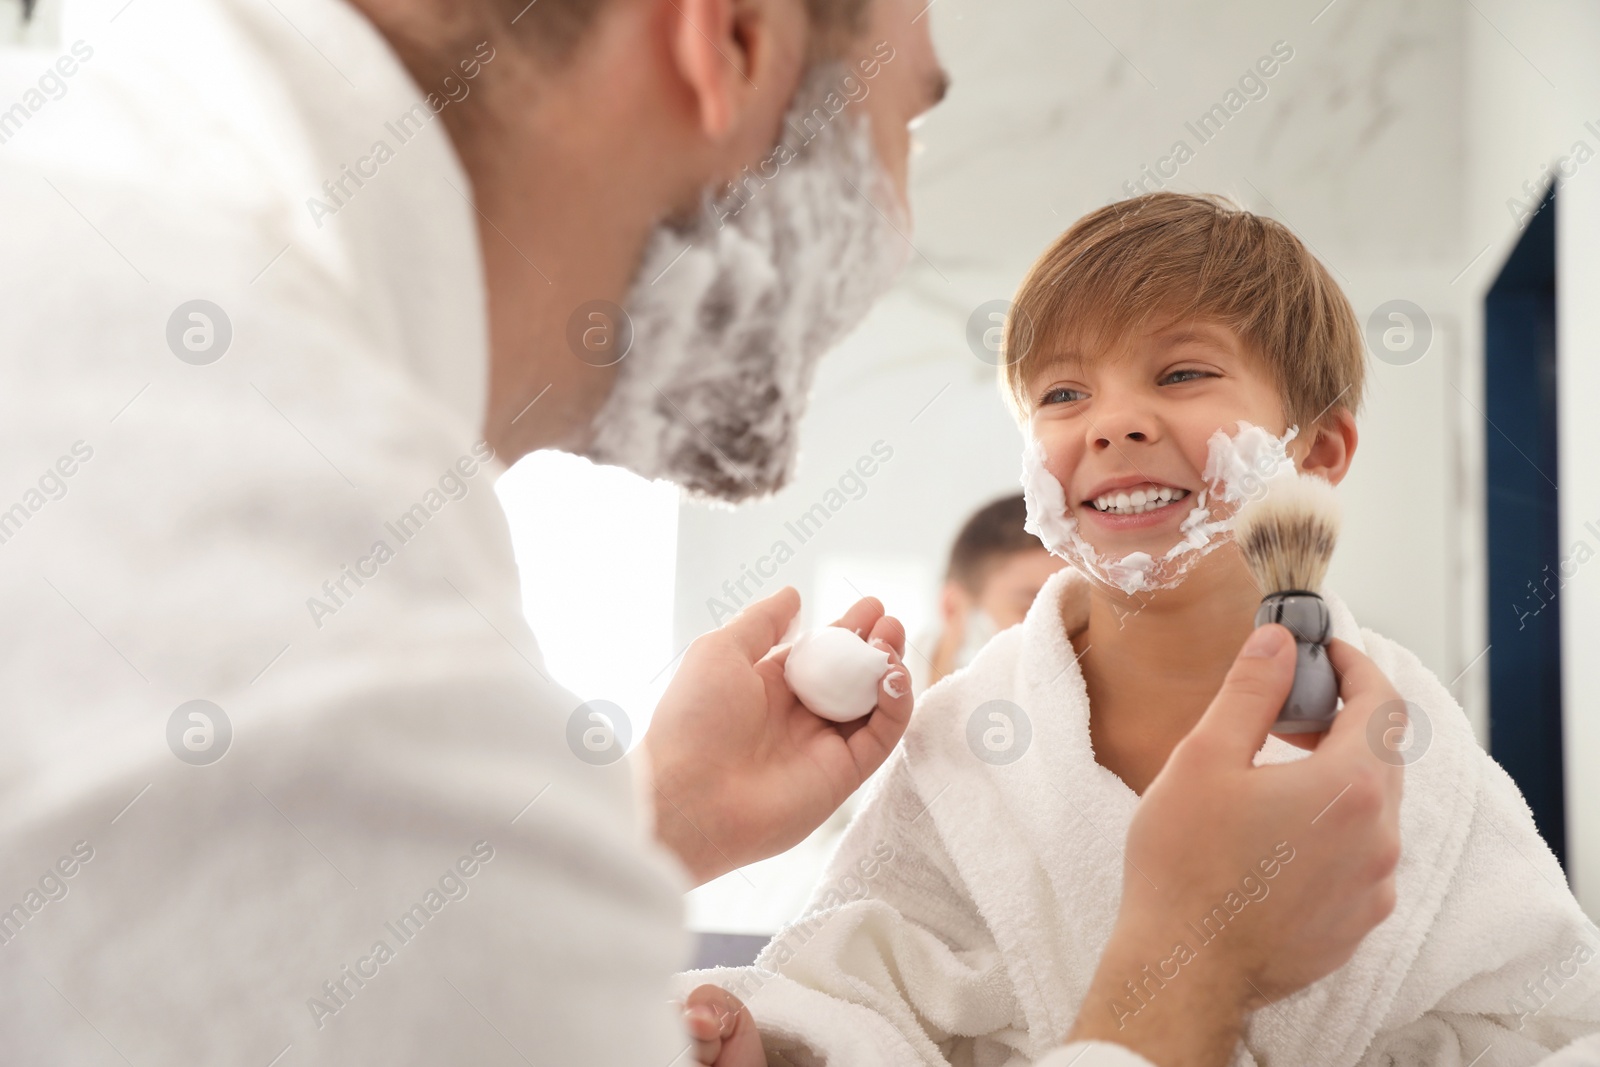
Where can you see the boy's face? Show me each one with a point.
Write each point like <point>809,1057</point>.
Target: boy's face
<point>1141,422</point>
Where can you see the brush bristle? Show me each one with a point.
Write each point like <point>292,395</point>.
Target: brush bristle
<point>1287,536</point>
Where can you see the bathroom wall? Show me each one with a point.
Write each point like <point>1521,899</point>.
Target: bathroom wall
<point>1359,142</point>
<point>1533,98</point>
<point>1356,141</point>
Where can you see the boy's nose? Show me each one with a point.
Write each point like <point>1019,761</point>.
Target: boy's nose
<point>1117,429</point>
<point>1121,416</point>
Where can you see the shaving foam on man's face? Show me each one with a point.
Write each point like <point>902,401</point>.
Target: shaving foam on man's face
<point>1134,468</point>
<point>732,310</point>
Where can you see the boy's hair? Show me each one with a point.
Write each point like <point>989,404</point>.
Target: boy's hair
<point>1168,258</point>
<point>994,532</point>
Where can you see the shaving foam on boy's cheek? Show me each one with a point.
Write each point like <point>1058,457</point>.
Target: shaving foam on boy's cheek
<point>1049,521</point>
<point>1240,468</point>
<point>1245,466</point>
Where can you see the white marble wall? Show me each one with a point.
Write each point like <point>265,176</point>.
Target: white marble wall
<point>1390,142</point>
<point>1357,142</point>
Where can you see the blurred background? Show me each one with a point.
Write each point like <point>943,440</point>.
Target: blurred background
<point>1440,156</point>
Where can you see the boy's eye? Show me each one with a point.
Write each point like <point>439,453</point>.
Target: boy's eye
<point>1191,370</point>
<point>1060,395</point>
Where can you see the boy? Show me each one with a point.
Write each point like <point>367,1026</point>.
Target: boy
<point>1156,323</point>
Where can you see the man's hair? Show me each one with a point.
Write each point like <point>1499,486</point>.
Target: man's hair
<point>992,533</point>
<point>1169,258</point>
<point>560,24</point>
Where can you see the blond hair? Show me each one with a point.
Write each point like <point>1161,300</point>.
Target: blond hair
<point>1168,258</point>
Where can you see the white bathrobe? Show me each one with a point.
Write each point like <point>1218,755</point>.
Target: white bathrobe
<point>963,915</point>
<point>402,748</point>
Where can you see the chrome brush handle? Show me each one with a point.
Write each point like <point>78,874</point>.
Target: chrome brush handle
<point>1313,701</point>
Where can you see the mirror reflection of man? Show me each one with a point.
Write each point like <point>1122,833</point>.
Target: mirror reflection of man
<point>995,570</point>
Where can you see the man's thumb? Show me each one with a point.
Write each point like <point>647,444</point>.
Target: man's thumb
<point>1238,719</point>
<point>762,624</point>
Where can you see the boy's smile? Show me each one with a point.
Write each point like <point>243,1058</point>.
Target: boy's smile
<point>1126,433</point>
<point>1126,504</point>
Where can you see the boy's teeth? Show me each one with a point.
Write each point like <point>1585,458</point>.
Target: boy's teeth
<point>1140,500</point>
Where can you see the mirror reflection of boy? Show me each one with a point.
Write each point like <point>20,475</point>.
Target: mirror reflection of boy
<point>962,917</point>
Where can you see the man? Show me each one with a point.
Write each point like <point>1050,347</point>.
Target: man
<point>286,778</point>
<point>995,570</point>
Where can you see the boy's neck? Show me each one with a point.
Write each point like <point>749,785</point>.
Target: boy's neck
<point>1152,664</point>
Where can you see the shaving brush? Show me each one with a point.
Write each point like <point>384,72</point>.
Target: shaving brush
<point>1286,538</point>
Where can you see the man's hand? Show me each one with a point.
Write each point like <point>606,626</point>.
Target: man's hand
<point>741,769</point>
<point>1293,863</point>
<point>722,1029</point>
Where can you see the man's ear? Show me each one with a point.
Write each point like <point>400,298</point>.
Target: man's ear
<point>953,602</point>
<point>720,47</point>
<point>1332,446</point>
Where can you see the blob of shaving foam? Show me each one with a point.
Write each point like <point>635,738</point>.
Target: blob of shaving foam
<point>835,673</point>
<point>1240,468</point>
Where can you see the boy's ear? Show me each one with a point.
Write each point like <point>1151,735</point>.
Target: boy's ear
<point>722,49</point>
<point>1332,446</point>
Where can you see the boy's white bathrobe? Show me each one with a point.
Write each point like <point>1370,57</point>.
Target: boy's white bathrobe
<point>963,915</point>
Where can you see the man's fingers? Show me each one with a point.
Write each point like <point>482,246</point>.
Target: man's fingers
<point>862,617</point>
<point>1235,725</point>
<point>759,627</point>
<point>871,744</point>
<point>1307,741</point>
<point>890,630</point>
<point>710,1014</point>
<point>705,1030</point>
<point>1366,692</point>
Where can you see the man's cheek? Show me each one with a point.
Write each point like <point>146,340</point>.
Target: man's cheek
<point>893,142</point>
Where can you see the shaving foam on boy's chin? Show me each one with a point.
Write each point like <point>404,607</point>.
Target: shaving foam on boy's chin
<point>1238,468</point>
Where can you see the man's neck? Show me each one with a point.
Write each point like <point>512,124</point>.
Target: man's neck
<point>559,230</point>
<point>566,186</point>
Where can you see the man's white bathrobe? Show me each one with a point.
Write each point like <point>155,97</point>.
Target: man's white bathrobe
<point>399,757</point>
<point>964,912</point>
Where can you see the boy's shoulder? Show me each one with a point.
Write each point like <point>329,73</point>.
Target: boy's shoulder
<point>945,705</point>
<point>1449,773</point>
<point>1430,703</point>
<point>997,671</point>
<point>1419,687</point>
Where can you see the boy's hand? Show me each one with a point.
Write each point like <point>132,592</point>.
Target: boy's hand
<point>722,1029</point>
<point>742,770</point>
<point>1313,844</point>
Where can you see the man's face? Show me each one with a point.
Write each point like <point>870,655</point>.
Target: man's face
<point>889,74</point>
<point>1010,588</point>
<point>734,304</point>
<point>907,85</point>
<point>1146,417</point>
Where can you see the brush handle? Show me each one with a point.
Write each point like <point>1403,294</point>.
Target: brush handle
<point>1313,700</point>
